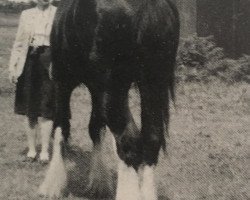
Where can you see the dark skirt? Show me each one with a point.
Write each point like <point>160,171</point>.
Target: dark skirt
<point>34,89</point>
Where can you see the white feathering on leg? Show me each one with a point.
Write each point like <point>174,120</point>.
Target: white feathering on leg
<point>56,177</point>
<point>101,181</point>
<point>148,188</point>
<point>116,157</point>
<point>128,183</point>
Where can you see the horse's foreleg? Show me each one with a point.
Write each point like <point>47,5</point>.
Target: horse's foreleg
<point>129,151</point>
<point>128,144</point>
<point>100,176</point>
<point>56,177</point>
<point>153,105</point>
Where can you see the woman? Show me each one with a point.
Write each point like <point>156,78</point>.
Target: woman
<point>29,68</point>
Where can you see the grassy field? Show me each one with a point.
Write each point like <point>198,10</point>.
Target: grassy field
<point>208,152</point>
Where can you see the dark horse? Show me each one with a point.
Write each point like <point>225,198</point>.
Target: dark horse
<point>108,45</point>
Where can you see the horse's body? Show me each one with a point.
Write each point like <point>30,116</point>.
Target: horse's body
<point>108,45</point>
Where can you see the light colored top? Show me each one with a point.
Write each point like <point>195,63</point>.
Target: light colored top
<point>42,28</point>
<point>34,30</point>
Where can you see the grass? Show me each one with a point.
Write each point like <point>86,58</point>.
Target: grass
<point>208,151</point>
<point>7,36</point>
<point>8,19</point>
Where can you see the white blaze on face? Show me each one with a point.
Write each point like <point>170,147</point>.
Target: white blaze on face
<point>128,183</point>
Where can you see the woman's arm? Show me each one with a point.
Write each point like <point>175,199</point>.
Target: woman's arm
<point>20,41</point>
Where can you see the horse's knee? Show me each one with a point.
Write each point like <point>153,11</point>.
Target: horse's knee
<point>128,140</point>
<point>129,149</point>
<point>116,122</point>
<point>152,144</point>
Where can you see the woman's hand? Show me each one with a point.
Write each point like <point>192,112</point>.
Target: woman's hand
<point>13,77</point>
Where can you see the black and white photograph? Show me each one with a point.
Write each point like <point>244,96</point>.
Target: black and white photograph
<point>125,99</point>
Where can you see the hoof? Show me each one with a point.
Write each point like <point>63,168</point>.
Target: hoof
<point>101,185</point>
<point>29,159</point>
<point>45,192</point>
<point>99,192</point>
<point>43,162</point>
<point>53,190</point>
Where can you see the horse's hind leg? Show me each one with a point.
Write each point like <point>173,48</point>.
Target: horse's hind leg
<point>56,177</point>
<point>100,176</point>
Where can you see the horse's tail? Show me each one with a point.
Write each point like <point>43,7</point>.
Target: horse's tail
<point>167,94</point>
<point>158,33</point>
<point>172,77</point>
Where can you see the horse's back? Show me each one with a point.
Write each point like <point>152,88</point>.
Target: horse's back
<point>130,27</point>
<point>113,31</point>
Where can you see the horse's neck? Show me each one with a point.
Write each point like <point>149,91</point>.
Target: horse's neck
<point>132,6</point>
<point>112,4</point>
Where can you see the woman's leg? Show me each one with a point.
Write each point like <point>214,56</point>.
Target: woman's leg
<point>31,133</point>
<point>46,130</point>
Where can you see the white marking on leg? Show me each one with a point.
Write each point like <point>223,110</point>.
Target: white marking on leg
<point>114,147</point>
<point>128,183</point>
<point>100,176</point>
<point>46,129</point>
<point>56,177</point>
<point>148,187</point>
<point>31,133</point>
<point>114,143</point>
<point>95,163</point>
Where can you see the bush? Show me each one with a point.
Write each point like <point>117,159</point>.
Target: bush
<point>199,59</point>
<point>244,70</point>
